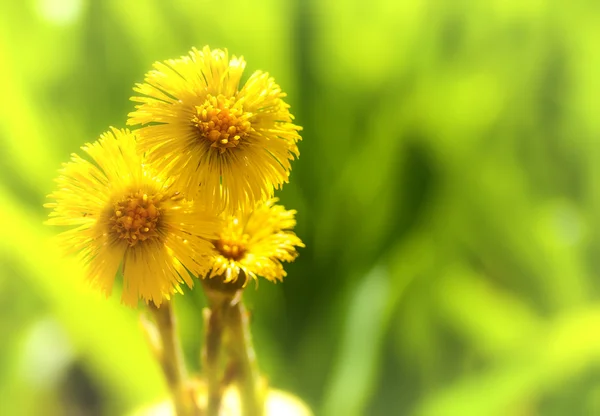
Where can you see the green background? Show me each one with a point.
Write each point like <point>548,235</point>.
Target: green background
<point>448,192</point>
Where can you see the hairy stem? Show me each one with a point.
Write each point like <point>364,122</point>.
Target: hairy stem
<point>171,358</point>
<point>228,333</point>
<point>214,325</point>
<point>245,357</point>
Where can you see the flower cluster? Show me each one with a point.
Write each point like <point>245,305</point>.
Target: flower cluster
<point>191,189</point>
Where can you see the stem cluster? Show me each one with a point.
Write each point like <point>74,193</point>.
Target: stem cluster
<point>228,355</point>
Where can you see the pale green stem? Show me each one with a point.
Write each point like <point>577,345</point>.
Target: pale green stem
<point>212,357</point>
<point>241,345</point>
<point>227,321</point>
<point>171,359</point>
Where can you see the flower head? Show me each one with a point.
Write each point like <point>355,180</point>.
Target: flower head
<point>129,218</point>
<point>254,244</point>
<point>231,145</point>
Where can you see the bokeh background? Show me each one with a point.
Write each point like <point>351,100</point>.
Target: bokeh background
<point>448,192</point>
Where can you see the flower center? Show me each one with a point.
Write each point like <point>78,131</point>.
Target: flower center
<point>222,121</point>
<point>135,217</point>
<point>232,246</point>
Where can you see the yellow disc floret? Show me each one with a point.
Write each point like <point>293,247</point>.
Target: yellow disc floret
<point>136,217</point>
<point>232,244</point>
<point>222,121</point>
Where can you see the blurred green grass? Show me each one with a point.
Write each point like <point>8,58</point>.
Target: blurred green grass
<point>448,192</point>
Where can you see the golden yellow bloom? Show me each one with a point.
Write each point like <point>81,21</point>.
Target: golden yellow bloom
<point>129,218</point>
<point>232,146</point>
<point>254,244</point>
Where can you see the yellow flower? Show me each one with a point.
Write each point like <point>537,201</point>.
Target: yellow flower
<point>254,244</point>
<point>128,218</point>
<point>231,146</point>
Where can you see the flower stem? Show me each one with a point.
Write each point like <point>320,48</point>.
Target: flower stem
<point>228,326</point>
<point>214,325</point>
<point>244,355</point>
<point>171,358</point>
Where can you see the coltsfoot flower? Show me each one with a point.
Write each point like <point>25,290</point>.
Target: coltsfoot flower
<point>254,244</point>
<point>128,217</point>
<point>229,146</point>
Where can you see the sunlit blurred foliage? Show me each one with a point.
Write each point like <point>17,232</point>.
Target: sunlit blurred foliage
<point>448,193</point>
